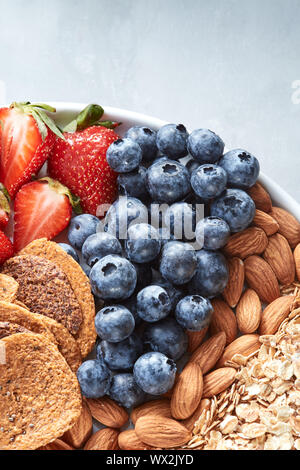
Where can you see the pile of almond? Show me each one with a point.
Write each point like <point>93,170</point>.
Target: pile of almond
<point>264,265</point>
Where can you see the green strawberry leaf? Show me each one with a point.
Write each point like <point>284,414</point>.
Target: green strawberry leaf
<point>88,117</point>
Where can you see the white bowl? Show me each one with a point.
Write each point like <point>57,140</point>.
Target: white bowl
<point>67,111</point>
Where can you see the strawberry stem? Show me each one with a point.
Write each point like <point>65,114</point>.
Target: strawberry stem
<point>88,117</point>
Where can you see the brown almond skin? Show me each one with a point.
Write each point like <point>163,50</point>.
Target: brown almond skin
<point>252,241</point>
<point>261,278</point>
<point>161,432</point>
<point>160,407</point>
<point>195,339</point>
<point>105,439</point>
<point>279,256</point>
<point>234,288</point>
<point>82,429</point>
<point>266,222</point>
<point>275,313</point>
<point>187,392</point>
<point>244,345</point>
<point>223,319</point>
<point>189,423</point>
<point>57,445</point>
<point>297,260</point>
<point>289,226</point>
<point>217,381</point>
<point>128,440</point>
<point>261,197</point>
<point>208,354</point>
<point>108,412</point>
<point>248,312</point>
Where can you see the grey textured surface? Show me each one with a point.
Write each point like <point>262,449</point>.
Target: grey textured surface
<point>229,65</point>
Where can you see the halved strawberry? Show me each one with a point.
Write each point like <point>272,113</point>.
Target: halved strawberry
<point>6,247</point>
<point>4,207</point>
<point>42,209</point>
<point>27,135</point>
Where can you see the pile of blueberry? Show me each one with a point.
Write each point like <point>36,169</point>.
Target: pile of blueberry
<point>155,284</point>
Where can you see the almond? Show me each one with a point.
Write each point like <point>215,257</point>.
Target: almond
<point>208,354</point>
<point>297,260</point>
<point>261,278</point>
<point>261,197</point>
<point>234,288</point>
<point>289,226</point>
<point>160,407</point>
<point>108,412</point>
<point>279,256</point>
<point>275,313</point>
<point>217,381</point>
<point>187,392</point>
<point>266,222</point>
<point>105,439</point>
<point>252,241</point>
<point>128,440</point>
<point>57,445</point>
<point>82,429</point>
<point>157,431</point>
<point>248,312</point>
<point>244,345</point>
<point>190,422</point>
<point>223,319</point>
<point>195,339</point>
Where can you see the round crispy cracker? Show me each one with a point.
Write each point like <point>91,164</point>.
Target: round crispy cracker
<point>80,284</point>
<point>39,394</point>
<point>8,288</point>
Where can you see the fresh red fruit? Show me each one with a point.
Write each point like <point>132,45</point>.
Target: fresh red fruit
<point>42,209</point>
<point>27,135</point>
<point>4,207</point>
<point>6,247</point>
<point>80,163</point>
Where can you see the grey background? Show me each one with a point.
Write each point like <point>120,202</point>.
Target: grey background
<point>224,64</point>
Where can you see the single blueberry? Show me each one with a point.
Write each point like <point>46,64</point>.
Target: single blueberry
<point>242,168</point>
<point>94,378</point>
<point>122,213</point>
<point>146,138</point>
<point>120,356</point>
<point>209,181</point>
<point>180,219</point>
<point>172,140</point>
<point>236,207</point>
<point>124,155</point>
<point>153,303</point>
<point>205,146</point>
<point>167,337</point>
<point>125,391</point>
<point>133,184</point>
<point>113,277</point>
<point>143,243</point>
<point>178,262</point>
<point>155,373</point>
<point>212,233</point>
<point>194,312</point>
<point>211,276</point>
<point>114,323</point>
<point>81,227</point>
<point>70,250</point>
<point>98,245</point>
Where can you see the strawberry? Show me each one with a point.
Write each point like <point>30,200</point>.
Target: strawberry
<point>42,209</point>
<point>27,135</point>
<point>79,161</point>
<point>4,207</point>
<point>6,247</point>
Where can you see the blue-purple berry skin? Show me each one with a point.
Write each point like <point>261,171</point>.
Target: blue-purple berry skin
<point>155,373</point>
<point>94,378</point>
<point>146,138</point>
<point>122,355</point>
<point>211,275</point>
<point>209,181</point>
<point>178,262</point>
<point>194,312</point>
<point>212,233</point>
<point>125,391</point>
<point>114,323</point>
<point>242,168</point>
<point>167,337</point>
<point>124,155</point>
<point>172,140</point>
<point>153,303</point>
<point>205,146</point>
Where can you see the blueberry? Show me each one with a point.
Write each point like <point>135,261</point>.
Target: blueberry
<point>134,183</point>
<point>98,245</point>
<point>168,181</point>
<point>167,337</point>
<point>124,155</point>
<point>125,391</point>
<point>172,140</point>
<point>143,243</point>
<point>194,312</point>
<point>113,277</point>
<point>242,168</point>
<point>236,207</point>
<point>211,275</point>
<point>146,138</point>
<point>155,373</point>
<point>114,323</point>
<point>209,181</point>
<point>192,165</point>
<point>81,227</point>
<point>174,293</point>
<point>120,356</point>
<point>180,218</point>
<point>94,378</point>
<point>153,303</point>
<point>70,250</point>
<point>178,262</point>
<point>212,233</point>
<point>205,146</point>
<point>122,213</point>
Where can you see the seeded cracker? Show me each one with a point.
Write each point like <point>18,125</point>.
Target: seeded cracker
<point>8,288</point>
<point>39,395</point>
